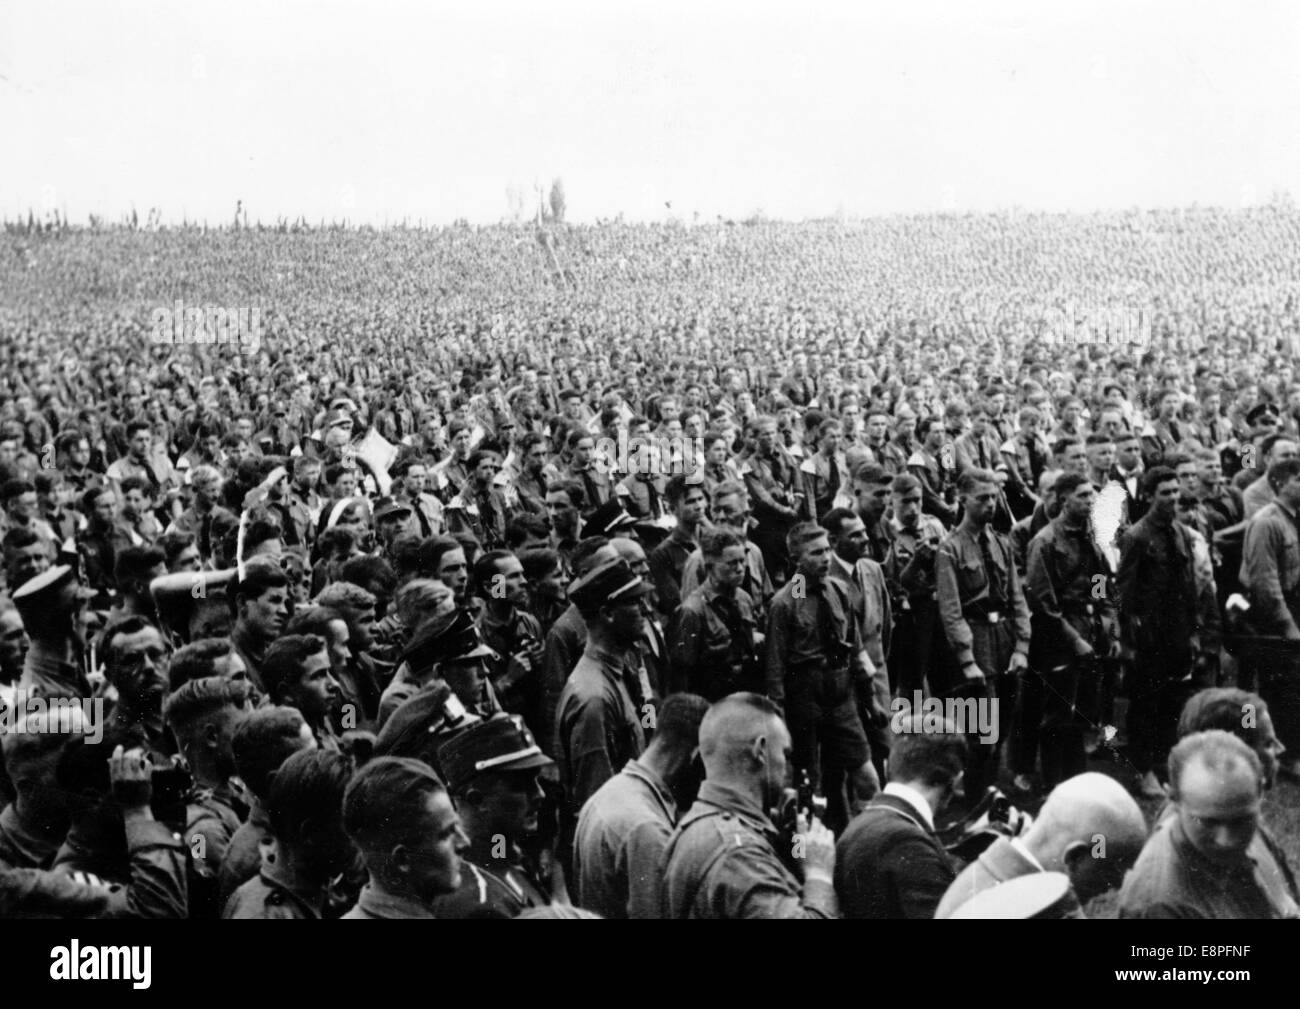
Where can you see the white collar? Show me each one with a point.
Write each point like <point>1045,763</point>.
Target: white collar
<point>1026,854</point>
<point>913,798</point>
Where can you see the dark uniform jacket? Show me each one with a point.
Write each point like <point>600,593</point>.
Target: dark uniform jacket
<point>272,894</point>
<point>1270,571</point>
<point>1158,598</point>
<point>968,598</point>
<point>155,886</point>
<point>598,728</point>
<point>667,562</point>
<point>722,862</point>
<point>827,484</point>
<point>711,641</point>
<point>492,888</point>
<point>373,904</point>
<point>938,485</point>
<point>1068,590</point>
<point>889,863</point>
<point>772,482</point>
<point>813,645</point>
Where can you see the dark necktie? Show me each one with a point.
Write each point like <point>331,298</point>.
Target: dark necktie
<point>984,458</point>
<point>833,480</point>
<point>205,537</point>
<point>593,495</point>
<point>655,508</point>
<point>426,529</point>
<point>997,593</point>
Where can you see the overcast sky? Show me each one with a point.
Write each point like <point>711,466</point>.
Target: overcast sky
<point>376,111</point>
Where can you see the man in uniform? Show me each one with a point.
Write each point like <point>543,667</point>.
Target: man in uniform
<point>493,771</point>
<point>625,826</point>
<point>713,638</point>
<point>1161,621</point>
<point>984,617</point>
<point>1067,587</point>
<point>726,857</point>
<point>826,471</point>
<point>1270,574</point>
<point>864,581</point>
<point>398,814</point>
<point>934,465</point>
<point>909,570</point>
<point>816,666</point>
<point>309,847</point>
<point>598,726</point>
<point>772,479</point>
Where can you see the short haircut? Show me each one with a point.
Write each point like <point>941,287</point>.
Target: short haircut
<point>578,434</point>
<point>872,474</point>
<point>715,540</point>
<point>1063,445</point>
<point>197,701</point>
<point>580,558</point>
<point>345,596</point>
<point>196,661</point>
<point>385,801</point>
<point>22,537</point>
<point>932,758</point>
<point>133,427</point>
<point>1214,749</point>
<point>926,424</point>
<point>1280,472</point>
<point>973,478</point>
<point>1266,446</point>
<point>905,483</point>
<point>125,627</point>
<point>802,534</point>
<point>264,741</point>
<point>486,568</point>
<point>285,660</point>
<point>539,562</point>
<point>757,704</point>
<point>204,473</point>
<point>368,572</point>
<point>1097,438</point>
<point>337,542</point>
<point>1068,483</point>
<point>1228,708</point>
<point>678,722</point>
<point>258,580</point>
<point>728,488</point>
<point>1154,477</point>
<point>434,549</point>
<point>141,483</point>
<point>314,620</point>
<point>16,488</point>
<point>524,527</point>
<point>307,791</point>
<point>175,543</point>
<point>677,489</point>
<point>833,521</point>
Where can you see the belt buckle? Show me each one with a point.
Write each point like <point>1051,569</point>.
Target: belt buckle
<point>995,617</point>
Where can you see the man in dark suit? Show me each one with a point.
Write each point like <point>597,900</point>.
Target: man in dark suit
<point>889,862</point>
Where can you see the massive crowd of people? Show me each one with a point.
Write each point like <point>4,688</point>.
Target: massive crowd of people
<point>726,570</point>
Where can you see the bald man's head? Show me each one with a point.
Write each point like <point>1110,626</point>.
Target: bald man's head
<point>1092,829</point>
<point>743,736</point>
